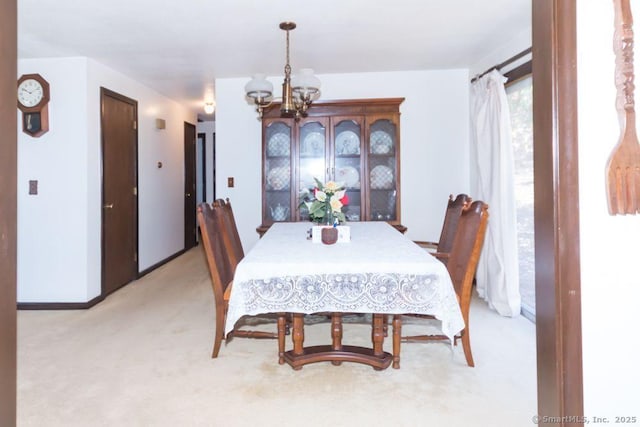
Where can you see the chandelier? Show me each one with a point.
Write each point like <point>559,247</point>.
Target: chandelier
<point>298,91</point>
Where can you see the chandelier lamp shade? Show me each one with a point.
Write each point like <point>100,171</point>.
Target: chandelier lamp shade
<point>298,91</point>
<point>209,107</point>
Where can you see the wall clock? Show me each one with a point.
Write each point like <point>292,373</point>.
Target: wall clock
<point>33,101</point>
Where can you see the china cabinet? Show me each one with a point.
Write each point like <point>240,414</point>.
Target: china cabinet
<point>354,142</point>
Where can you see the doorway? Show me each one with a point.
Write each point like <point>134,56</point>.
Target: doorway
<point>189,186</point>
<point>119,116</point>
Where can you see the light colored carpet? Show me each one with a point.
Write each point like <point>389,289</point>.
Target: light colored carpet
<point>142,358</point>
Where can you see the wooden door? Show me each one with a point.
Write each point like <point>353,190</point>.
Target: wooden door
<point>189,185</point>
<point>202,172</point>
<point>119,190</point>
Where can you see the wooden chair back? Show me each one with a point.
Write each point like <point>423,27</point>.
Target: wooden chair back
<point>218,231</point>
<point>461,263</point>
<point>230,231</point>
<point>220,265</point>
<point>451,218</point>
<point>465,253</point>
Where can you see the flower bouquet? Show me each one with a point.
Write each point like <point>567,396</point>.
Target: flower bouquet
<point>324,202</point>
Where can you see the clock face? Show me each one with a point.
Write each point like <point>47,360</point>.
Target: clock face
<point>30,93</point>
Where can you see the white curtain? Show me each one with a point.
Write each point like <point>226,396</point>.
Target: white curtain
<point>492,181</point>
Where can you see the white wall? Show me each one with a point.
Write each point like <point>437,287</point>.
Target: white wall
<point>53,260</point>
<point>160,190</point>
<point>59,230</point>
<point>608,245</point>
<point>512,46</point>
<point>434,142</point>
<point>209,129</point>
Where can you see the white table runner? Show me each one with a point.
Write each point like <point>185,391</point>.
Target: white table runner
<point>379,271</point>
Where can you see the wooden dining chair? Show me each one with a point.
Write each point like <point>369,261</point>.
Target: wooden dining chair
<point>221,263</point>
<point>229,228</point>
<point>461,263</point>
<point>450,224</point>
<point>448,232</point>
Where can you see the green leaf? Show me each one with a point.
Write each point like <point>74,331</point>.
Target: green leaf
<point>317,209</point>
<point>318,184</point>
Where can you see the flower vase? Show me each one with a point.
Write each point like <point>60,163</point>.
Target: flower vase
<point>329,235</point>
<point>329,218</point>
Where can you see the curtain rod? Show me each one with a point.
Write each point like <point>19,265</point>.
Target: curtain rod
<point>503,64</point>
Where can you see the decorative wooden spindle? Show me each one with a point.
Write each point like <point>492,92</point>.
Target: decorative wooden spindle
<point>623,168</point>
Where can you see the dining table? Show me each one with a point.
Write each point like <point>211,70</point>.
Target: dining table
<point>378,272</point>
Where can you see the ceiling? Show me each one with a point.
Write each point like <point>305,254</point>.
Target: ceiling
<point>179,48</point>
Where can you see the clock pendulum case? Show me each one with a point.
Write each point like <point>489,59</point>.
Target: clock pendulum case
<point>33,101</point>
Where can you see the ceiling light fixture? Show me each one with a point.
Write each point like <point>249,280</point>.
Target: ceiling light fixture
<point>298,91</point>
<point>209,107</point>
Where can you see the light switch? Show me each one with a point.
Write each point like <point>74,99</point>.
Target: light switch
<point>230,182</point>
<point>33,186</point>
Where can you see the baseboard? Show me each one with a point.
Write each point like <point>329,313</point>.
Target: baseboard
<point>528,312</point>
<point>161,263</point>
<point>59,305</point>
<point>96,300</point>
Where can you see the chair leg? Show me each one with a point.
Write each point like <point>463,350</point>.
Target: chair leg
<point>466,346</point>
<point>397,336</point>
<point>282,331</point>
<point>219,333</point>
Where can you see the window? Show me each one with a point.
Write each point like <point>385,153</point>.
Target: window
<point>520,97</point>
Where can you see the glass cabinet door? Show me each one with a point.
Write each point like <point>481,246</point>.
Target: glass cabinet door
<point>353,142</point>
<point>347,167</point>
<point>382,170</point>
<point>312,155</point>
<point>277,171</point>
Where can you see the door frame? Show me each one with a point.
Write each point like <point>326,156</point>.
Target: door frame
<point>213,166</point>
<point>8,211</point>
<point>203,137</point>
<point>556,205</point>
<point>103,93</point>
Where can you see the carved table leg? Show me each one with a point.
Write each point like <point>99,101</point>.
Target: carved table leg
<point>385,323</point>
<point>377,335</point>
<point>397,335</point>
<point>282,322</point>
<point>336,335</point>
<point>297,336</point>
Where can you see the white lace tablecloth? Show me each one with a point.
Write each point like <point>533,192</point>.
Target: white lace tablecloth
<point>379,271</point>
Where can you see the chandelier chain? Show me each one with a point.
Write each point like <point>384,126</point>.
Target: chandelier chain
<point>287,67</point>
